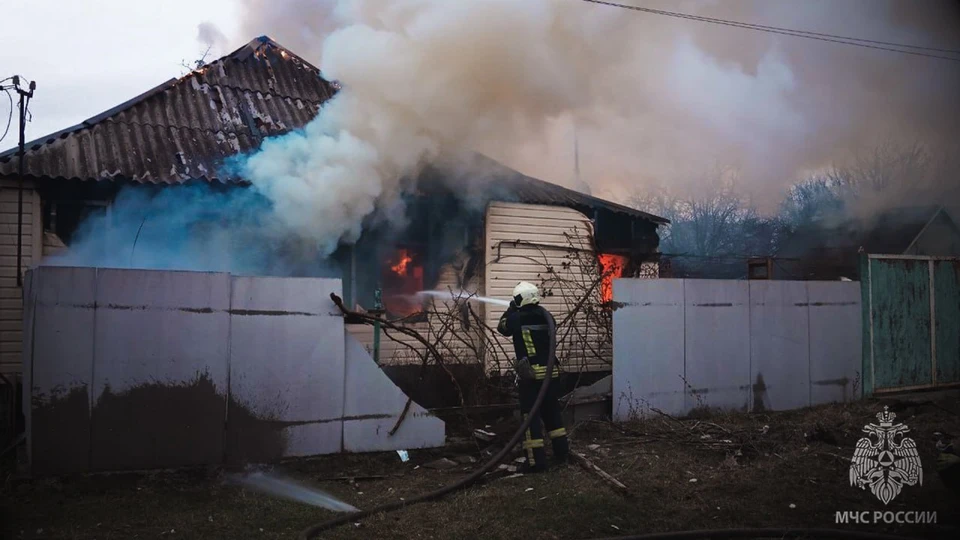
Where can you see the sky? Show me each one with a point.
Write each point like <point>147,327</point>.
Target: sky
<point>676,98</point>
<point>90,55</point>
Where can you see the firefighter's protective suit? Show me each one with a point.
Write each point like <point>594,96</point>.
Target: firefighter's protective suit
<point>533,330</point>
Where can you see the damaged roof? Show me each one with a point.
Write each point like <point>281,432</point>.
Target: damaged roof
<point>185,128</point>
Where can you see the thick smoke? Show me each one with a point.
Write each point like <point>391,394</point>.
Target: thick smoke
<point>424,80</point>
<point>209,35</point>
<point>654,99</point>
<point>192,227</point>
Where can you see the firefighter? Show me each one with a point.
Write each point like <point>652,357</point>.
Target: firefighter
<point>533,330</point>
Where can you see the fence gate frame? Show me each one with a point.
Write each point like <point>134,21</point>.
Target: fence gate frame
<point>871,329</point>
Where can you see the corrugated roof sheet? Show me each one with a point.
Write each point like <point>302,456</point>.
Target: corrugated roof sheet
<point>184,128</point>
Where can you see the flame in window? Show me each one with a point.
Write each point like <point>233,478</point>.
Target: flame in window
<point>611,267</point>
<point>400,268</point>
<point>402,278</point>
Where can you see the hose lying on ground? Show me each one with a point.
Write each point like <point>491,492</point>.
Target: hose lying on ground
<point>314,530</point>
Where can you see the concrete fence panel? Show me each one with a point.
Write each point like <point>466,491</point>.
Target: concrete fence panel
<point>735,345</point>
<point>160,368</point>
<point>779,345</point>
<point>717,337</point>
<point>60,323</point>
<point>373,406</point>
<point>648,345</point>
<point>286,369</point>
<point>835,341</point>
<point>140,369</point>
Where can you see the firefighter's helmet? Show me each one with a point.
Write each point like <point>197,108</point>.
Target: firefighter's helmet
<point>525,294</point>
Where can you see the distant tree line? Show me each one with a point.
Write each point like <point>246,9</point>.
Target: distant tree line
<point>717,223</point>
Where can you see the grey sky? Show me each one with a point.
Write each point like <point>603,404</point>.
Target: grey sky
<point>90,55</point>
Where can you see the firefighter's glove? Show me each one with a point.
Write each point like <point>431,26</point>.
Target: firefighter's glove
<point>524,369</point>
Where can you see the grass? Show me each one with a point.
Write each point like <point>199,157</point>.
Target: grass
<point>752,480</point>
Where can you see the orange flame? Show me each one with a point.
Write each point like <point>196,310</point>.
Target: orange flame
<point>611,266</point>
<point>400,268</point>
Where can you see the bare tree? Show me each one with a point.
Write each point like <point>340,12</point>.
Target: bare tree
<point>891,175</point>
<point>814,200</point>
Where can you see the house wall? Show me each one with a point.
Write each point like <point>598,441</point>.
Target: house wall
<point>940,238</point>
<point>545,257</point>
<point>399,349</point>
<point>556,253</point>
<point>681,344</point>
<point>11,295</point>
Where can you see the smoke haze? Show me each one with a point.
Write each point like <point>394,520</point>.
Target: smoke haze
<point>192,227</point>
<point>654,99</point>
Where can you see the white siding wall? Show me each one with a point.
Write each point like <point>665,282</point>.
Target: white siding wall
<point>551,265</point>
<point>11,296</point>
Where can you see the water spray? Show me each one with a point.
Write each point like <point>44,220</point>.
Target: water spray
<point>286,488</point>
<point>465,296</point>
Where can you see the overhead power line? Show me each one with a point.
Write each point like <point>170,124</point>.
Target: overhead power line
<point>831,38</point>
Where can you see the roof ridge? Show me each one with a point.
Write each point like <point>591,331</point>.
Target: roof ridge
<point>240,54</point>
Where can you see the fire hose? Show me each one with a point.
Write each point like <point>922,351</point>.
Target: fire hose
<point>314,530</point>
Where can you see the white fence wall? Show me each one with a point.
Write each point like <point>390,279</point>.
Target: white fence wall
<point>139,369</point>
<point>737,345</point>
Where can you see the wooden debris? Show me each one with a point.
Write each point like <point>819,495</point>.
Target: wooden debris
<point>485,436</point>
<point>591,467</point>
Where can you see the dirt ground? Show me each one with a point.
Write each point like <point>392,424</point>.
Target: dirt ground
<point>785,469</point>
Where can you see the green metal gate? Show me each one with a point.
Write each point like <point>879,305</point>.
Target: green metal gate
<point>911,320</point>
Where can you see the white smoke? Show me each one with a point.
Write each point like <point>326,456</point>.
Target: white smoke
<point>209,34</point>
<point>653,97</point>
<point>423,80</point>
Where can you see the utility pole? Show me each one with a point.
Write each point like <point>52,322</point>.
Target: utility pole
<point>25,96</point>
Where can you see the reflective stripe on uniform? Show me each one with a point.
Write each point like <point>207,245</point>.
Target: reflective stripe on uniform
<point>540,372</point>
<point>559,432</point>
<point>533,443</point>
<point>528,342</point>
<point>529,449</point>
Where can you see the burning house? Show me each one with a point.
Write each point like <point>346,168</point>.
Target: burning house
<point>471,228</point>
